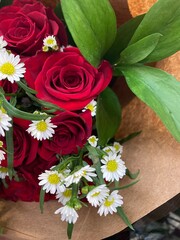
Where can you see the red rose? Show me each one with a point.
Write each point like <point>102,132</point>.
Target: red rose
<point>25,147</point>
<point>67,79</point>
<point>23,190</point>
<point>25,25</point>
<point>72,132</point>
<point>21,3</point>
<point>8,87</point>
<point>27,189</point>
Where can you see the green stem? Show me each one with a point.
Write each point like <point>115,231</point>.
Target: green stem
<point>18,113</point>
<point>74,190</point>
<point>45,104</point>
<point>26,88</point>
<point>10,151</point>
<point>125,186</point>
<point>99,173</point>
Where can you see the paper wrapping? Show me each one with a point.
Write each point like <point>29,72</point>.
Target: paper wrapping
<point>138,7</point>
<point>155,152</point>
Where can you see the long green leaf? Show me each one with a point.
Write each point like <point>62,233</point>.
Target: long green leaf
<point>125,186</point>
<point>70,230</point>
<point>132,175</point>
<point>122,214</point>
<point>168,44</point>
<point>123,37</point>
<point>163,17</point>
<point>140,50</point>
<point>18,113</point>
<point>108,115</point>
<point>159,90</point>
<point>92,26</point>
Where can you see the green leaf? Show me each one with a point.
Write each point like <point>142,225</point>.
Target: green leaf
<point>92,26</point>
<point>140,50</point>
<point>125,186</point>
<point>18,113</point>
<point>159,90</point>
<point>163,17</point>
<point>129,137</point>
<point>99,172</point>
<point>122,214</point>
<point>108,115</point>
<point>70,230</point>
<point>123,37</point>
<point>26,88</point>
<point>168,44</point>
<point>45,104</point>
<point>41,199</point>
<point>132,175</point>
<point>5,3</point>
<point>58,11</point>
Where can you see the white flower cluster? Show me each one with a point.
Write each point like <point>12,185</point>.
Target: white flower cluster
<point>49,43</point>
<point>62,182</point>
<point>92,107</point>
<point>11,68</point>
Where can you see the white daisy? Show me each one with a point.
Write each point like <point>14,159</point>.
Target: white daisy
<point>42,129</point>
<point>97,195</point>
<point>2,157</point>
<point>52,181</point>
<point>86,172</point>
<point>118,147</point>
<point>92,107</point>
<point>109,150</point>
<point>2,153</point>
<point>3,43</point>
<point>111,203</point>
<point>4,122</point>
<point>10,67</point>
<point>68,214</point>
<point>65,196</point>
<point>114,168</point>
<point>92,140</point>
<point>3,172</point>
<point>50,42</point>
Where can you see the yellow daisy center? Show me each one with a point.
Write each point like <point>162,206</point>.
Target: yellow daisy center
<point>50,41</point>
<point>92,140</point>
<point>108,202</point>
<point>1,143</point>
<point>90,107</point>
<point>3,170</point>
<point>3,110</point>
<point>117,147</point>
<point>108,150</point>
<point>41,126</point>
<point>7,68</point>
<point>53,178</point>
<point>67,193</point>
<point>95,194</point>
<point>112,165</point>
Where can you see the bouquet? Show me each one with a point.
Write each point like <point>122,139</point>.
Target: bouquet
<point>59,114</point>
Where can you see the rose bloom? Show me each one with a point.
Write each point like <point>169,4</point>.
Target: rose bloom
<point>72,132</point>
<point>25,147</point>
<point>25,24</point>
<point>8,87</point>
<point>66,78</point>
